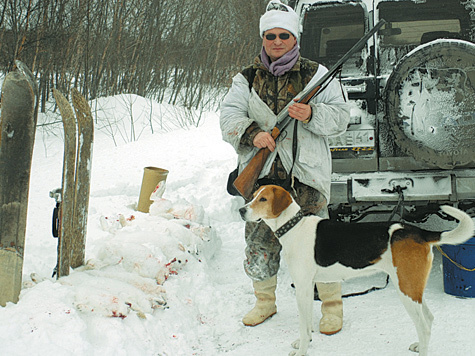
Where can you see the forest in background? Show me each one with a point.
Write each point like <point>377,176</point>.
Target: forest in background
<point>174,51</point>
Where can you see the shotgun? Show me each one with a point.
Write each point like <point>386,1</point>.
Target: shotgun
<point>246,180</point>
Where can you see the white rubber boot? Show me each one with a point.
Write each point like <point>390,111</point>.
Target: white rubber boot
<point>265,304</point>
<point>332,308</point>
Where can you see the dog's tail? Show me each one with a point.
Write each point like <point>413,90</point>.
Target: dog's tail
<point>464,231</point>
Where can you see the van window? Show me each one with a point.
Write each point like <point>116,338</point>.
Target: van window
<point>330,31</point>
<point>418,32</point>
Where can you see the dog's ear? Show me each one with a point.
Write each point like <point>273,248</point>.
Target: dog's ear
<point>282,200</point>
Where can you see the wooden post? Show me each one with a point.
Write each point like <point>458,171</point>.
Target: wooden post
<point>83,177</point>
<point>76,180</point>
<point>18,125</point>
<point>66,233</point>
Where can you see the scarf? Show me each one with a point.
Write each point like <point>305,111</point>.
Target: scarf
<point>283,64</point>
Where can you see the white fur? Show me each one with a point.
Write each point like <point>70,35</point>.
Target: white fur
<point>464,228</point>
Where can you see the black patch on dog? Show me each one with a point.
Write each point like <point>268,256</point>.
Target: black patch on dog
<point>353,245</point>
<point>416,234</point>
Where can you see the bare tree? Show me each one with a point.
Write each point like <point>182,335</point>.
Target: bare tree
<point>180,51</point>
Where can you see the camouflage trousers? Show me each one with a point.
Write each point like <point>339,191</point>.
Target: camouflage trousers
<point>263,248</point>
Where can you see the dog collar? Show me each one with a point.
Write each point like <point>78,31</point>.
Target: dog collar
<point>289,225</point>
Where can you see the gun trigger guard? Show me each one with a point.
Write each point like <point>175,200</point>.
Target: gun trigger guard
<point>282,136</point>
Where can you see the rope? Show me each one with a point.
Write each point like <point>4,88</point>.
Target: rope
<point>400,203</point>
<point>366,291</point>
<point>356,294</point>
<point>455,263</point>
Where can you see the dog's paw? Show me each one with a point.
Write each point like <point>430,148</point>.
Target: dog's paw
<point>414,347</point>
<point>296,353</point>
<point>300,350</point>
<point>296,344</point>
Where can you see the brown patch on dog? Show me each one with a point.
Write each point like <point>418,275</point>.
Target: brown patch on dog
<point>270,201</point>
<point>413,263</point>
<point>281,201</point>
<point>373,262</point>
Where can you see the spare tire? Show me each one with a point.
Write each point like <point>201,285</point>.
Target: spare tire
<point>430,103</point>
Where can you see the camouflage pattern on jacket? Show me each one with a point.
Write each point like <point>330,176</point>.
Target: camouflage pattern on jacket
<point>277,92</point>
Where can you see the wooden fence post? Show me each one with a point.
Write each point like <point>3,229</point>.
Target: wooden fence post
<point>18,125</point>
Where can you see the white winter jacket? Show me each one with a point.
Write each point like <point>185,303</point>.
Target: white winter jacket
<point>330,117</point>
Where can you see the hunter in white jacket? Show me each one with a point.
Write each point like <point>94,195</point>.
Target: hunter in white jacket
<point>330,116</point>
<point>248,115</point>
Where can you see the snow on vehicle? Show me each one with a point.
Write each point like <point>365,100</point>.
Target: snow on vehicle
<point>411,140</point>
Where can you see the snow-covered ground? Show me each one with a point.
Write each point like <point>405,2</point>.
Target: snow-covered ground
<point>166,286</point>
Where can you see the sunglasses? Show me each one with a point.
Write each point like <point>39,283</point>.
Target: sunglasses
<point>273,36</point>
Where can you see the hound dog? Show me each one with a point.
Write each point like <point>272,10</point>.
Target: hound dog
<point>321,250</point>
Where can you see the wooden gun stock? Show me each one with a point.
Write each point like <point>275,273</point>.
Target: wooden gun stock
<point>246,180</point>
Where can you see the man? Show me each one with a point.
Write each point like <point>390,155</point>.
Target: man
<point>248,114</point>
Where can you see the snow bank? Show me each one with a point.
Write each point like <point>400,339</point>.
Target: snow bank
<point>155,286</point>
